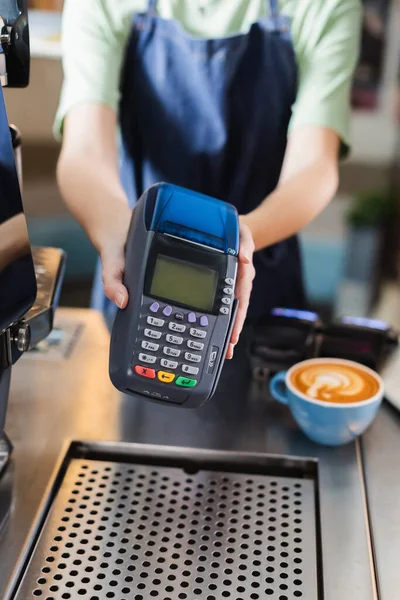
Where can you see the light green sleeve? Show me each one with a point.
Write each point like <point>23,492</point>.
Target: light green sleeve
<point>327,56</point>
<point>92,56</point>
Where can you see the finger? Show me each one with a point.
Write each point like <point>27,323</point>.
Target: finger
<point>246,244</point>
<point>113,270</point>
<point>244,286</point>
<point>229,353</point>
<point>244,280</point>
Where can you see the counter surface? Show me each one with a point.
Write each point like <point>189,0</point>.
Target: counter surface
<point>56,400</point>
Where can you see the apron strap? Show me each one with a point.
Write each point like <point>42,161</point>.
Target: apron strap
<point>273,8</point>
<point>152,7</point>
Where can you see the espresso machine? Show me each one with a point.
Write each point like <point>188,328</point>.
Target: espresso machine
<point>30,278</point>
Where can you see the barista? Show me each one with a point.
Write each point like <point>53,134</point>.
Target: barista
<point>247,101</point>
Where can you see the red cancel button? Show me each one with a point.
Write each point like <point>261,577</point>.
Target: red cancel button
<point>145,372</point>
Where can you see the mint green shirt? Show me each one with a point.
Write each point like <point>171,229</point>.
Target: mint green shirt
<point>325,38</point>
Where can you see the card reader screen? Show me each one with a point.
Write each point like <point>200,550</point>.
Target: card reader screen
<point>185,283</point>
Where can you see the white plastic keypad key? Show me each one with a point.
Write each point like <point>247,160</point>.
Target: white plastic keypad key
<point>177,327</point>
<point>171,351</point>
<point>198,333</point>
<point>189,370</point>
<point>147,358</point>
<point>168,364</point>
<point>155,335</point>
<point>155,322</point>
<point>192,357</point>
<point>195,345</point>
<point>174,339</point>
<point>150,346</point>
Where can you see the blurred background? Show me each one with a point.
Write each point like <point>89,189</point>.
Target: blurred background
<point>351,252</point>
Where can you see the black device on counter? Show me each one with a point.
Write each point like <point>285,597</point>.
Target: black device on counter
<point>367,341</point>
<point>287,336</point>
<point>284,337</point>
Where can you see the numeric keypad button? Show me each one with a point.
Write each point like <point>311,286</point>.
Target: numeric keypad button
<point>178,327</point>
<point>198,333</point>
<point>150,346</point>
<point>189,356</point>
<point>150,333</point>
<point>171,351</point>
<point>195,345</point>
<point>147,358</point>
<point>168,364</point>
<point>174,339</point>
<point>189,370</point>
<point>155,322</point>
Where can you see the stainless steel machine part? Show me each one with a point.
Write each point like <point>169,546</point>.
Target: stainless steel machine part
<point>132,530</point>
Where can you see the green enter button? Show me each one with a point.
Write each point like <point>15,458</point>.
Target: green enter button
<point>185,382</point>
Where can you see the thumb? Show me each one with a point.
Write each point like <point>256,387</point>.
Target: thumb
<point>112,273</point>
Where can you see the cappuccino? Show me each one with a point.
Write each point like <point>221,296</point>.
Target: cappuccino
<point>339,383</point>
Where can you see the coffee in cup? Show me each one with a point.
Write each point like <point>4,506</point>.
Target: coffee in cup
<point>340,383</point>
<point>332,400</point>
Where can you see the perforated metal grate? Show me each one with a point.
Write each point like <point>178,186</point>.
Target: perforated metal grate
<point>139,532</point>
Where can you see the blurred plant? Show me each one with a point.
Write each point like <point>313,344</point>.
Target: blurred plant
<point>372,209</point>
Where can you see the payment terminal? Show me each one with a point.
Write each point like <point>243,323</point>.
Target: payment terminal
<point>169,344</point>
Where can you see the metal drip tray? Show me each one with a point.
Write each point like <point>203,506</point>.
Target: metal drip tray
<point>130,530</point>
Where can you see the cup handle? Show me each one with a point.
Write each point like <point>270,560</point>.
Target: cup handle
<point>277,387</point>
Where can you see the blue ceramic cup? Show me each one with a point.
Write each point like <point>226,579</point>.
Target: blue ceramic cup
<point>327,423</point>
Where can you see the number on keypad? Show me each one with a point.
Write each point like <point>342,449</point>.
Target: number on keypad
<point>177,327</point>
<point>150,346</point>
<point>195,345</point>
<point>174,339</point>
<point>198,333</point>
<point>155,322</point>
<point>155,335</point>
<point>168,364</point>
<point>192,357</point>
<point>171,351</point>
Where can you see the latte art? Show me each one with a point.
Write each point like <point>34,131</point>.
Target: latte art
<point>330,382</point>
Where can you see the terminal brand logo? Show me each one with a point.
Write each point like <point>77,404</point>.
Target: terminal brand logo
<point>212,359</point>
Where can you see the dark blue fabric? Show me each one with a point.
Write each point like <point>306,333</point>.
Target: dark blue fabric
<point>212,116</point>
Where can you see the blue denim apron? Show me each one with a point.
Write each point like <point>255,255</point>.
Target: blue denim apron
<point>212,116</point>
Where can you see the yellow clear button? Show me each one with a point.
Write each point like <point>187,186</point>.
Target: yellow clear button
<point>165,377</point>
